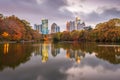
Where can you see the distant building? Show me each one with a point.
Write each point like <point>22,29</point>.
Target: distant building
<point>72,25</point>
<point>87,28</point>
<point>38,28</point>
<point>80,26</point>
<point>76,25</point>
<point>77,22</point>
<point>58,29</point>
<point>45,26</point>
<point>68,26</point>
<point>55,28</point>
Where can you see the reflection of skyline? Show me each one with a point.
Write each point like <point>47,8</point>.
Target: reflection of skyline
<point>76,55</point>
<point>77,52</point>
<point>54,51</point>
<point>12,55</point>
<point>44,52</point>
<point>44,49</point>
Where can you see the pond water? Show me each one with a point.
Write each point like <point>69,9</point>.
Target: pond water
<point>59,61</point>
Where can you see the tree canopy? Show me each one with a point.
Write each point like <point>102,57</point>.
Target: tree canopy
<point>16,29</point>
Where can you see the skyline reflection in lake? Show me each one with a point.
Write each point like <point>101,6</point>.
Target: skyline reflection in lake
<point>59,61</point>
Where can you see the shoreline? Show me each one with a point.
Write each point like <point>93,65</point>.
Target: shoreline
<point>109,45</point>
<point>99,43</point>
<point>2,42</point>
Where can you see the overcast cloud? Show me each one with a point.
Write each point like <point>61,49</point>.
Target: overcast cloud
<point>61,11</point>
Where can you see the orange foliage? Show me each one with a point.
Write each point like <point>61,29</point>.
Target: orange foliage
<point>5,34</point>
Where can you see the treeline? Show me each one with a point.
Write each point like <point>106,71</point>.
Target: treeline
<point>14,29</point>
<point>103,32</point>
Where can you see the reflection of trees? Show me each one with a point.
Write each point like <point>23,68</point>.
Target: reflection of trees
<point>12,55</point>
<point>110,54</point>
<point>6,48</point>
<point>17,54</point>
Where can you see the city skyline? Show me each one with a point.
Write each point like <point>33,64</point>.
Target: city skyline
<point>61,11</point>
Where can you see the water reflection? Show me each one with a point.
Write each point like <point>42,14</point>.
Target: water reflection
<point>75,54</point>
<point>110,54</point>
<point>24,61</point>
<point>44,52</point>
<point>12,55</point>
<point>17,54</point>
<point>6,48</point>
<point>54,51</point>
<point>77,51</point>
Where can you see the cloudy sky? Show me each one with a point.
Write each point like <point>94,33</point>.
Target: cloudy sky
<point>60,11</point>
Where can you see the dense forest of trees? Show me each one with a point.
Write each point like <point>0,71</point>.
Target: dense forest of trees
<point>14,29</point>
<point>103,32</point>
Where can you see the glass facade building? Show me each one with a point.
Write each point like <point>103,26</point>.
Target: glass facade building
<point>45,26</point>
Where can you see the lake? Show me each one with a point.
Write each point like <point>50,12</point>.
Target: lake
<point>59,61</point>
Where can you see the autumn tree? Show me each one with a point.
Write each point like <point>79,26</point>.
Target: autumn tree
<point>17,29</point>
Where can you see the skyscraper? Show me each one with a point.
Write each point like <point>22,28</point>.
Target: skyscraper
<point>38,28</point>
<point>68,26</point>
<point>58,29</point>
<point>72,25</point>
<point>80,26</point>
<point>45,26</point>
<point>55,28</point>
<point>75,25</point>
<point>78,20</point>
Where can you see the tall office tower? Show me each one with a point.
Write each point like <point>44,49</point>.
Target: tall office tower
<point>75,25</point>
<point>68,26</point>
<point>38,28</point>
<point>80,26</point>
<point>45,26</point>
<point>77,22</point>
<point>72,25</point>
<point>53,28</point>
<point>58,29</point>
